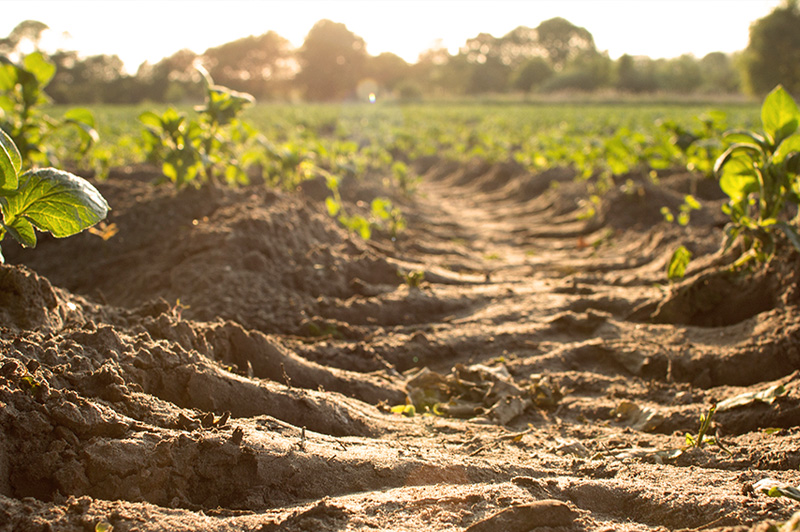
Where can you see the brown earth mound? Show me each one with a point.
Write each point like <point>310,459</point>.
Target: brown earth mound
<point>229,359</point>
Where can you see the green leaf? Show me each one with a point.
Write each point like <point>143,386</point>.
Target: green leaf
<point>149,118</point>
<point>332,205</point>
<point>779,114</point>
<point>80,115</point>
<point>789,145</point>
<point>738,178</point>
<point>22,231</point>
<point>735,151</point>
<point>10,162</point>
<point>83,119</point>
<point>691,202</point>
<point>54,201</point>
<point>741,136</point>
<point>8,77</point>
<point>41,68</point>
<point>680,259</point>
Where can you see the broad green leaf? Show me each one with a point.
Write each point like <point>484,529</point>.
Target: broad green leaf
<point>10,162</point>
<point>779,114</point>
<point>788,146</point>
<point>8,76</point>
<point>42,69</point>
<point>83,119</point>
<point>733,151</point>
<point>54,201</point>
<point>678,263</point>
<point>21,229</point>
<point>80,115</point>
<point>149,118</point>
<point>740,136</point>
<point>738,178</point>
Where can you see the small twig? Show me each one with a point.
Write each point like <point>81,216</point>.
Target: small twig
<point>286,378</point>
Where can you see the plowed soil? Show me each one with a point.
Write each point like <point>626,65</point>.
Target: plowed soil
<point>229,360</point>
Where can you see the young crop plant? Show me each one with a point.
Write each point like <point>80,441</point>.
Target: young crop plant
<point>699,147</point>
<point>22,97</point>
<point>383,214</point>
<point>760,173</point>
<point>216,146</point>
<point>47,199</point>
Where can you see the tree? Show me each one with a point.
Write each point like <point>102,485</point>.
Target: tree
<point>332,61</point>
<point>172,79</point>
<point>562,41</point>
<point>719,74</point>
<point>488,72</point>
<point>26,31</point>
<point>636,74</point>
<point>681,74</point>
<point>256,65</point>
<point>532,74</point>
<point>773,53</point>
<point>95,79</point>
<point>387,69</point>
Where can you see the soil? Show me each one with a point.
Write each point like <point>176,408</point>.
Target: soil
<point>230,360</point>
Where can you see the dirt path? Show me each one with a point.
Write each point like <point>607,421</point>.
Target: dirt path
<point>234,367</point>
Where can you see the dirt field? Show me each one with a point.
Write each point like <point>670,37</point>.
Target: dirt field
<point>229,361</point>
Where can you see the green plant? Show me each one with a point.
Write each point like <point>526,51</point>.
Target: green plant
<point>47,199</point>
<point>699,147</point>
<point>684,211</point>
<point>705,424</point>
<point>403,178</point>
<point>759,173</point>
<point>702,438</point>
<point>22,98</point>
<point>676,267</point>
<point>413,279</point>
<point>382,213</point>
<point>217,145</point>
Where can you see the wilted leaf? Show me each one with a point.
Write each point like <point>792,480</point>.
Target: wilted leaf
<point>767,396</point>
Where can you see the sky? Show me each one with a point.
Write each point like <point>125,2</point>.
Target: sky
<point>149,30</point>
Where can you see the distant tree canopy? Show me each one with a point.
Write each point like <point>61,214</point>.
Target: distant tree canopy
<point>332,61</point>
<point>773,54</point>
<point>333,64</point>
<point>257,65</point>
<point>27,30</point>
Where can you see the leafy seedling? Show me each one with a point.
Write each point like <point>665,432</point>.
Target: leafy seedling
<point>676,267</point>
<point>759,173</point>
<point>217,145</point>
<point>702,438</point>
<point>46,199</point>
<point>22,98</point>
<point>413,279</point>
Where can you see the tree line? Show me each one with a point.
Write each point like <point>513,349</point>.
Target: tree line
<point>333,65</point>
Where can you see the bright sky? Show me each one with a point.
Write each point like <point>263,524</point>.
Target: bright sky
<point>149,30</point>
